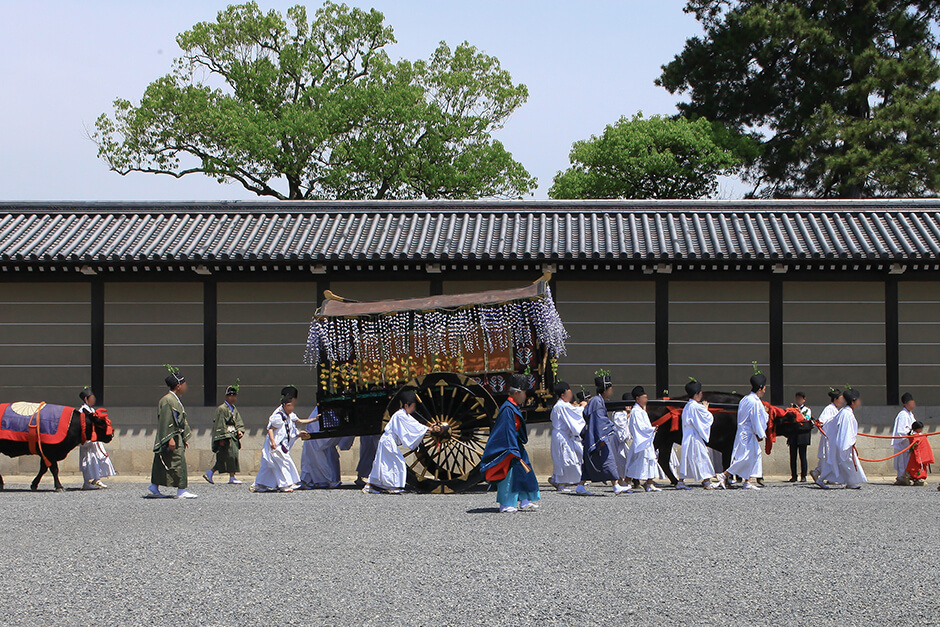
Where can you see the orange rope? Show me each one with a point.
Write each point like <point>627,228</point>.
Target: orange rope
<point>897,437</point>
<point>884,459</point>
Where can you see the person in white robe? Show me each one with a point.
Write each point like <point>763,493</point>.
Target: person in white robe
<point>402,431</point>
<point>319,463</point>
<point>695,463</point>
<point>642,462</point>
<point>277,472</point>
<point>747,460</point>
<point>825,418</point>
<point>902,427</point>
<point>93,458</point>
<point>622,439</point>
<point>368,445</point>
<point>567,448</point>
<point>843,465</point>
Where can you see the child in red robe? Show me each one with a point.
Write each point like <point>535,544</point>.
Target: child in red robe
<point>921,455</point>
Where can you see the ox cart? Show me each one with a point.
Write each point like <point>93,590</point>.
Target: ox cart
<point>456,352</point>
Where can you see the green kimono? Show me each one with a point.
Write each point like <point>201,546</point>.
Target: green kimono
<point>225,443</point>
<point>169,467</point>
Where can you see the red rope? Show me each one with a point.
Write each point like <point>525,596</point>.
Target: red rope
<point>883,459</point>
<point>897,437</point>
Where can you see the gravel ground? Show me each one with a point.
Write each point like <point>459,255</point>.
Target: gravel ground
<point>791,554</point>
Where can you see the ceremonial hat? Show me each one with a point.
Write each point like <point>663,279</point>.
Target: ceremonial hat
<point>519,383</point>
<point>834,393</point>
<point>288,393</point>
<point>693,387</point>
<point>638,391</point>
<point>408,397</point>
<point>758,381</point>
<point>174,378</point>
<point>232,390</point>
<point>602,382</point>
<point>906,398</point>
<point>561,387</point>
<point>626,396</point>
<point>850,395</point>
<point>85,393</point>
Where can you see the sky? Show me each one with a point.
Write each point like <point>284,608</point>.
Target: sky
<point>586,63</point>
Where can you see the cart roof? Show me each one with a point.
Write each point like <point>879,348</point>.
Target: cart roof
<point>344,309</point>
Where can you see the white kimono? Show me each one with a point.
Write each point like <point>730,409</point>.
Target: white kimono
<point>567,449</point>
<point>620,420</point>
<point>388,469</point>
<point>641,456</point>
<point>93,459</point>
<point>902,426</point>
<point>842,465</point>
<point>746,457</point>
<point>825,420</point>
<point>695,462</point>
<point>277,470</point>
<point>319,464</point>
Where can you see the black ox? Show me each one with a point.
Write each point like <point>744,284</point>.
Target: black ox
<point>98,424</point>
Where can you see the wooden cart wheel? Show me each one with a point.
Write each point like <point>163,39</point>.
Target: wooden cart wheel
<point>449,461</point>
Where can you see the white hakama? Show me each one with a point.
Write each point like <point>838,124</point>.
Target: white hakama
<point>842,465</point>
<point>567,448</point>
<point>319,464</point>
<point>695,462</point>
<point>746,456</point>
<point>642,463</point>
<point>825,420</point>
<point>388,470</point>
<point>277,470</point>
<point>622,438</point>
<point>902,426</point>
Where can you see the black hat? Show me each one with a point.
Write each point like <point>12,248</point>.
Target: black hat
<point>692,388</point>
<point>175,378</point>
<point>408,397</point>
<point>232,390</point>
<point>518,382</point>
<point>907,397</point>
<point>626,396</point>
<point>850,395</point>
<point>561,387</point>
<point>638,391</point>
<point>758,381</point>
<point>834,393</point>
<point>85,393</point>
<point>602,383</point>
<point>288,393</point>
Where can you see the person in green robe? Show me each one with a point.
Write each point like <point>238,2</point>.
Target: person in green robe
<point>171,440</point>
<point>227,432</point>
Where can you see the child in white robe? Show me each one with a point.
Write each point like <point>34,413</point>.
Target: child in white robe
<point>642,462</point>
<point>825,418</point>
<point>843,465</point>
<point>697,422</point>
<point>277,471</point>
<point>93,458</point>
<point>902,427</point>
<point>622,438</point>
<point>388,470</point>
<point>567,448</point>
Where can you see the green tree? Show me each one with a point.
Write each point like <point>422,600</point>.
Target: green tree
<point>842,93</point>
<point>306,109</point>
<point>657,157</point>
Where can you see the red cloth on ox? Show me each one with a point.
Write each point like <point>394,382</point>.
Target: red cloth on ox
<point>773,414</point>
<point>921,457</point>
<point>53,422</point>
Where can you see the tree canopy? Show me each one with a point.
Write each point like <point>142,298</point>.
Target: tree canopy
<point>658,157</point>
<point>842,94</point>
<point>314,109</point>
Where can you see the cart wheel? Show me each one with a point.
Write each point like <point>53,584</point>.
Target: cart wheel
<point>448,461</point>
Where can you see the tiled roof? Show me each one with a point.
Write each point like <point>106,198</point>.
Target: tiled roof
<point>431,231</point>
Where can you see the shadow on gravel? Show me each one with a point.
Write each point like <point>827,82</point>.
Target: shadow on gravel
<point>483,510</point>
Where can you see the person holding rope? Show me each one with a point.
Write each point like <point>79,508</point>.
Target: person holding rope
<point>921,455</point>
<point>799,441</point>
<point>697,422</point>
<point>825,417</point>
<point>94,459</point>
<point>746,457</point>
<point>842,463</point>
<point>902,427</point>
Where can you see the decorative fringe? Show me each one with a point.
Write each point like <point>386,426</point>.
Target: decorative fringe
<point>438,332</point>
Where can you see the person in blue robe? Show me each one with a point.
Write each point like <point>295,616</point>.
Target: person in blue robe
<point>505,461</point>
<point>600,440</point>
